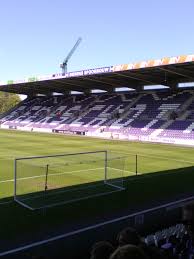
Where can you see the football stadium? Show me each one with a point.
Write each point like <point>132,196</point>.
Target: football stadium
<point>91,152</point>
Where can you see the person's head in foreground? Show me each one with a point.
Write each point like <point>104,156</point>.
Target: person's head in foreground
<point>101,250</point>
<point>128,252</point>
<point>128,236</point>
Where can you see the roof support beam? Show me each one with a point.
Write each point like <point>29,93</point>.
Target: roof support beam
<point>65,82</point>
<point>87,91</point>
<point>178,71</point>
<point>62,87</point>
<point>139,88</point>
<point>141,78</point>
<point>122,82</point>
<point>173,85</point>
<point>99,85</point>
<point>24,90</point>
<point>31,95</point>
<point>100,81</point>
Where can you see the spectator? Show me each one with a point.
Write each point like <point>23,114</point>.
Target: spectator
<point>128,236</point>
<point>129,252</point>
<point>188,213</point>
<point>188,219</point>
<point>101,250</point>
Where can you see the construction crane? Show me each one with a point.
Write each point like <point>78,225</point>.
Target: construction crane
<point>64,64</point>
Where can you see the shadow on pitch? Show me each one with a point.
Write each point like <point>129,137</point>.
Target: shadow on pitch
<point>166,183</point>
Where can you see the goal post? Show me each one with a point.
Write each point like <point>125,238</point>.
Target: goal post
<point>47,181</point>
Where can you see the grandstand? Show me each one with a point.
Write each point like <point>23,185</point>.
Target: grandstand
<point>109,103</point>
<point>164,115</point>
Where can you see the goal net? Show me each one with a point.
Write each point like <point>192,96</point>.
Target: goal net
<point>47,181</point>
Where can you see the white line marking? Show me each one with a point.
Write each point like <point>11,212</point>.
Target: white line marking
<point>43,175</point>
<point>59,192</point>
<point>125,171</point>
<point>77,199</point>
<point>75,189</point>
<point>6,202</point>
<point>115,186</point>
<point>78,231</point>
<point>161,157</point>
<point>23,204</point>
<point>126,153</point>
<point>38,176</point>
<point>70,172</point>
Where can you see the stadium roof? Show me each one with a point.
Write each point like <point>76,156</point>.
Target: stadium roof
<point>166,71</point>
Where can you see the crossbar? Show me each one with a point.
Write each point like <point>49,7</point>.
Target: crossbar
<point>60,155</point>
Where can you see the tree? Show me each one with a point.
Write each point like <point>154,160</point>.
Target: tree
<point>8,101</point>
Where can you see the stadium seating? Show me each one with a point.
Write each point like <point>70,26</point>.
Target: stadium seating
<point>173,242</point>
<point>161,116</point>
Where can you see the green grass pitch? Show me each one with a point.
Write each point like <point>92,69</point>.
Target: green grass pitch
<point>164,171</point>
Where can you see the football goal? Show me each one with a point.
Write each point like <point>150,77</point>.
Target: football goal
<point>47,181</point>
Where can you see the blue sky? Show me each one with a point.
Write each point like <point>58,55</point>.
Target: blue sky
<point>37,35</point>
